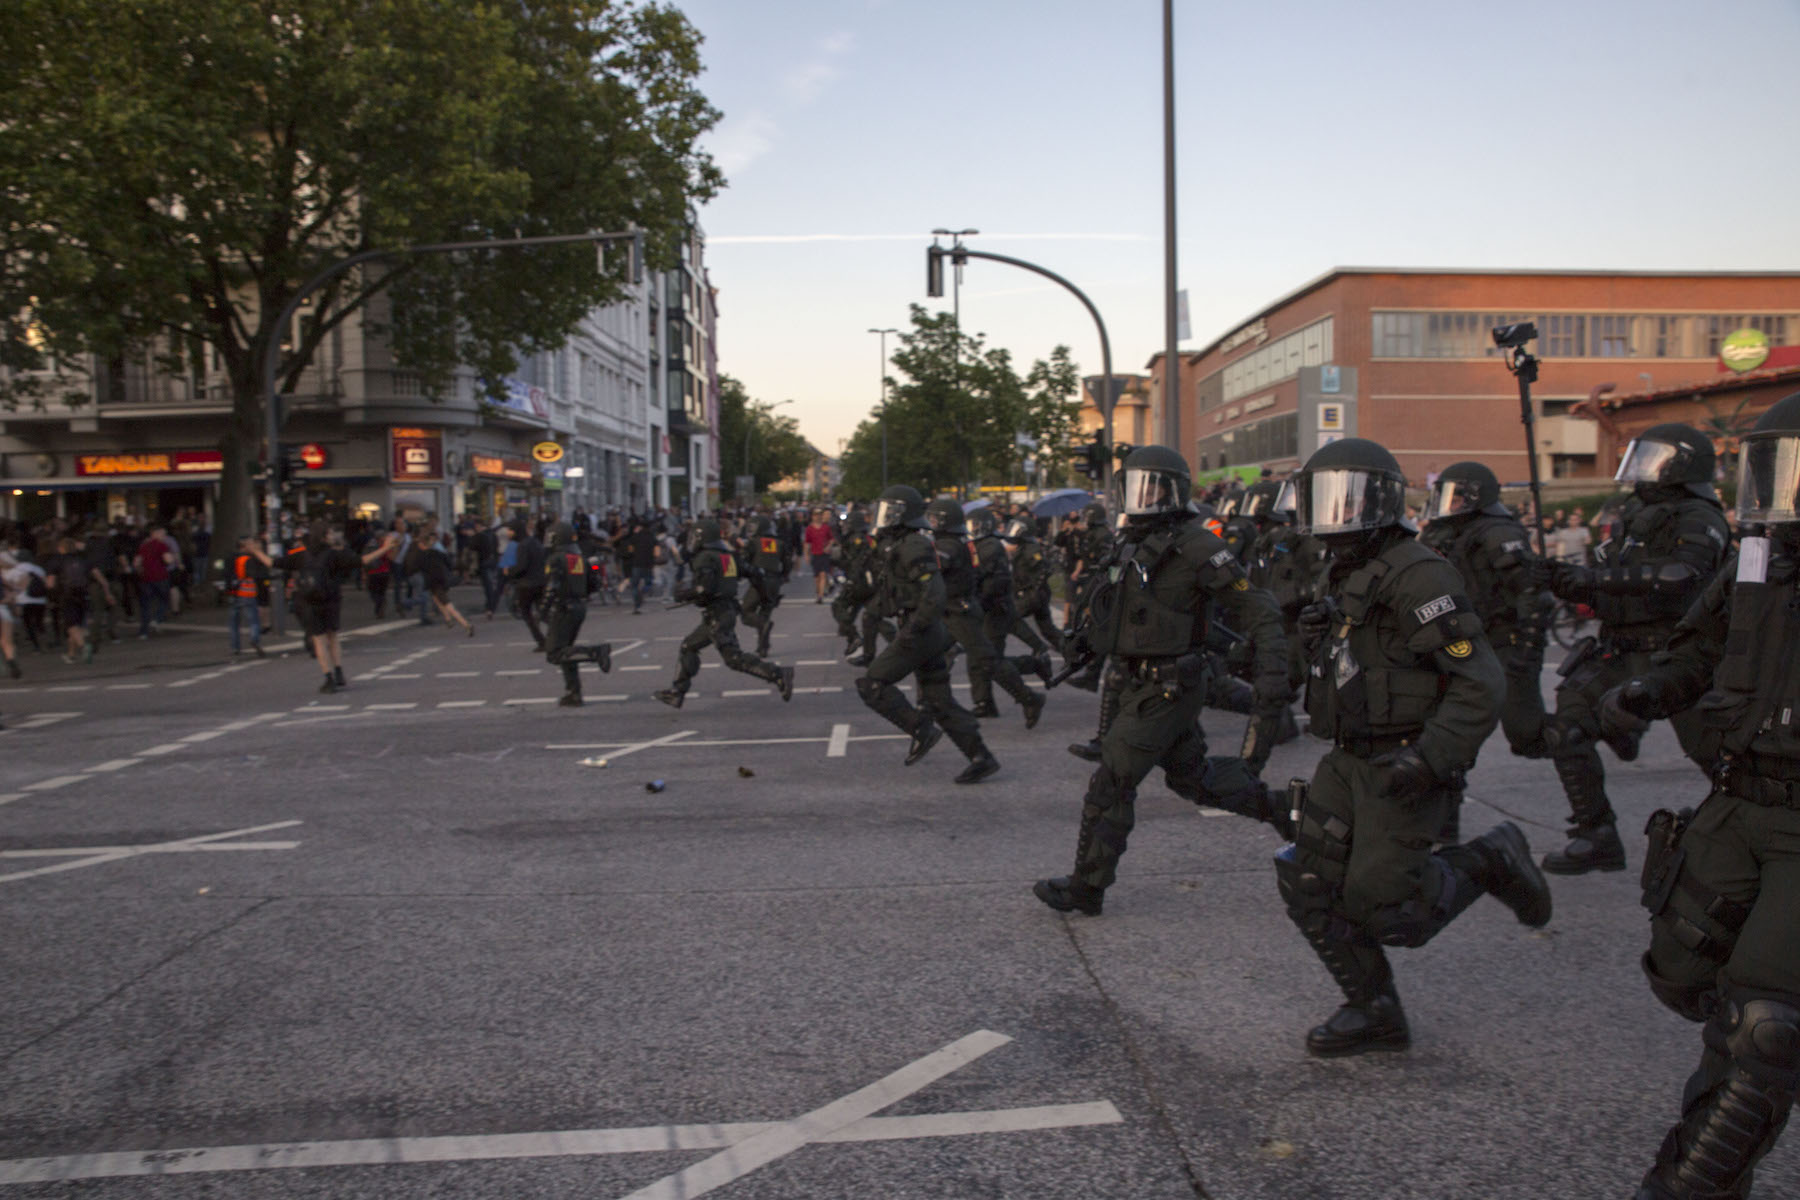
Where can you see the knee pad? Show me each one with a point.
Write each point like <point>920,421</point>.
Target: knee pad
<point>1311,902</point>
<point>1696,1002</point>
<point>1414,921</point>
<point>1763,1038</point>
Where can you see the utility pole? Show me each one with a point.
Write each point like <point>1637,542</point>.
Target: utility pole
<point>884,398</point>
<point>1171,389</point>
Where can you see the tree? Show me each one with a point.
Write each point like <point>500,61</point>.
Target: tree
<point>955,415</point>
<point>175,169</point>
<point>776,449</point>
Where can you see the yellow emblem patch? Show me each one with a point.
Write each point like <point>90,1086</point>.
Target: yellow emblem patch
<point>1460,649</point>
<point>1242,585</point>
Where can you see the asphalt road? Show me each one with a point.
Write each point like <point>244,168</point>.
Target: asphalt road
<point>435,949</point>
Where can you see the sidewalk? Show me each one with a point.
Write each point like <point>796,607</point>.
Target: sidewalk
<point>200,637</point>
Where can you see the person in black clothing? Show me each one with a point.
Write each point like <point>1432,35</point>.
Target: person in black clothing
<point>434,569</point>
<point>320,565</point>
<point>528,579</point>
<point>639,549</point>
<point>487,565</point>
<point>565,607</point>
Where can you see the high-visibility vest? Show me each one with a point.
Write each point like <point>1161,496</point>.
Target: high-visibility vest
<point>245,587</point>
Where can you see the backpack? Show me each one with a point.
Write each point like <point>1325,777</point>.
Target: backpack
<point>313,583</point>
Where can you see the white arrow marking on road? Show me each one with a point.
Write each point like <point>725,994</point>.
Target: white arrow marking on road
<point>93,856</point>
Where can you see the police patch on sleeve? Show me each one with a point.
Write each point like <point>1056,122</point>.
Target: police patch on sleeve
<point>1221,558</point>
<point>1437,608</point>
<point>1242,585</point>
<point>1460,649</point>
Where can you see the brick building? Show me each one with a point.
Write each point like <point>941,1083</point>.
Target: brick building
<point>1404,356</point>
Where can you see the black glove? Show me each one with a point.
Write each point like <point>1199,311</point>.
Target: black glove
<point>1626,709</point>
<point>1543,574</point>
<point>1314,624</point>
<point>1404,774</point>
<point>1240,658</point>
<point>1270,694</point>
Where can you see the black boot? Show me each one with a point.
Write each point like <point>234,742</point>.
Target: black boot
<point>1371,1017</point>
<point>570,699</point>
<point>980,767</point>
<point>784,683</point>
<point>337,676</point>
<point>925,735</point>
<point>1034,708</point>
<point>1086,751</point>
<point>602,656</point>
<point>1377,1023</point>
<point>862,660</point>
<point>671,696</point>
<point>330,684</point>
<point>986,710</point>
<point>1503,866</point>
<point>1595,849</point>
<point>1065,893</point>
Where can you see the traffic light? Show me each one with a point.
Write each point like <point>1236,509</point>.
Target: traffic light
<point>1090,458</point>
<point>934,271</point>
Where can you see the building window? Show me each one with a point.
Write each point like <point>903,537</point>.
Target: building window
<point>1267,440</point>
<point>1570,335</point>
<point>1279,360</point>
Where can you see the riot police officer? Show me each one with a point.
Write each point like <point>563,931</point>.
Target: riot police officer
<point>528,578</point>
<point>1404,682</point>
<point>1290,565</point>
<point>854,552</point>
<point>713,587</point>
<point>996,589</point>
<point>565,595</point>
<point>966,619</point>
<point>1093,553</point>
<point>1149,614</point>
<point>1239,512</point>
<point>1723,884</point>
<point>1031,571</point>
<point>1670,540</point>
<point>765,565</point>
<point>914,596</point>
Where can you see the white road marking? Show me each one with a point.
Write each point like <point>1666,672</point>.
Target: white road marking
<point>628,647</point>
<point>779,1141</point>
<point>524,671</point>
<point>128,687</point>
<point>319,708</point>
<point>840,742</point>
<point>93,856</point>
<point>634,747</point>
<point>72,687</point>
<point>205,735</point>
<point>533,700</point>
<point>816,662</point>
<point>401,677</point>
<point>117,764</point>
<point>649,1139</point>
<point>9,797</point>
<point>39,720</point>
<point>48,785</point>
<point>815,691</point>
<point>391,707</point>
<point>610,698</point>
<point>458,674</point>
<point>461,703</point>
<point>165,748</point>
<point>747,692</point>
<point>788,741</point>
<point>645,668</point>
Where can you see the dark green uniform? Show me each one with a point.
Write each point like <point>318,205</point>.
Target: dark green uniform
<point>1667,547</point>
<point>1723,884</point>
<point>764,568</point>
<point>913,594</point>
<point>1031,571</point>
<point>565,591</point>
<point>854,553</point>
<point>1240,533</point>
<point>1403,674</point>
<point>967,621</point>
<point>1149,613</point>
<point>714,589</point>
<point>1491,553</point>
<point>1290,566</point>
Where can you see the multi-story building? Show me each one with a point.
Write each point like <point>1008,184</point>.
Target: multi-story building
<point>684,469</point>
<point>1404,356</point>
<point>124,438</point>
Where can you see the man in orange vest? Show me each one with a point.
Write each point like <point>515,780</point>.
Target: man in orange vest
<point>249,568</point>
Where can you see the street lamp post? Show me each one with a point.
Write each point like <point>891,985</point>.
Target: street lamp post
<point>956,237</point>
<point>750,423</point>
<point>884,394</point>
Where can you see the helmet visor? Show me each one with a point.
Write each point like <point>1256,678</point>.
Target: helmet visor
<point>1017,530</point>
<point>1259,503</point>
<point>1149,492</point>
<point>1453,497</point>
<point>1342,500</point>
<point>890,514</point>
<point>1769,481</point>
<point>1285,502</point>
<point>1646,462</point>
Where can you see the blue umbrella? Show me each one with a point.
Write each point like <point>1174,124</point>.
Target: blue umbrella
<point>1062,502</point>
<point>971,505</point>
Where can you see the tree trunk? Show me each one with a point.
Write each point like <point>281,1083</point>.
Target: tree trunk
<point>236,513</point>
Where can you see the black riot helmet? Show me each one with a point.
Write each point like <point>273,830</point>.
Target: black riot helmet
<point>765,527</point>
<point>982,523</point>
<point>945,516</point>
<point>856,523</point>
<point>1462,490</point>
<point>706,535</point>
<point>1094,515</point>
<point>1154,483</point>
<point>1259,501</point>
<point>1018,531</point>
<point>561,534</point>
<point>899,507</point>
<point>1350,486</point>
<point>1769,467</point>
<point>1669,455</point>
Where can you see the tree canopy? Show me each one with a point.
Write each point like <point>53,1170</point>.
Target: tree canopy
<point>775,448</point>
<point>955,409</point>
<point>175,169</point>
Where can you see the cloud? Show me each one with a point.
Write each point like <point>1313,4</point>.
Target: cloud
<point>804,83</point>
<point>740,141</point>
<point>789,239</point>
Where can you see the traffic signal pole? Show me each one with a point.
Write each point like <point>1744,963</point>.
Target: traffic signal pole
<point>959,254</point>
<point>272,350</point>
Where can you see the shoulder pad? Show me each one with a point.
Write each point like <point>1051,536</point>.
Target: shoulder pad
<point>1426,594</point>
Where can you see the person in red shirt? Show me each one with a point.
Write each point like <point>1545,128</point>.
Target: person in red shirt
<point>818,545</point>
<point>156,560</point>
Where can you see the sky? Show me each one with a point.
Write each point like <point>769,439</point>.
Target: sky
<point>1602,134</point>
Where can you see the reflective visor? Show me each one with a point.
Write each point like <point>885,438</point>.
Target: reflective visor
<point>1256,504</point>
<point>1348,501</point>
<point>1286,502</point>
<point>889,513</point>
<point>1451,497</point>
<point>1769,481</point>
<point>1148,492</point>
<point>1644,462</point>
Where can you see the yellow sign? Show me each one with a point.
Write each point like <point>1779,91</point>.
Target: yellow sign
<point>547,452</point>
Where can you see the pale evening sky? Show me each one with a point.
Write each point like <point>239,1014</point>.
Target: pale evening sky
<point>1631,134</point>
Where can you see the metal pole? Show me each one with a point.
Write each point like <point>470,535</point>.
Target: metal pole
<point>1171,430</point>
<point>272,350</point>
<point>1525,367</point>
<point>1106,404</point>
<point>884,400</point>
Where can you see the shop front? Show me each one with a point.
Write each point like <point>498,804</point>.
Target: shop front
<point>502,487</point>
<point>146,486</point>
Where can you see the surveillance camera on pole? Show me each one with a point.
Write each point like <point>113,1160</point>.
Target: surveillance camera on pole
<point>1524,365</point>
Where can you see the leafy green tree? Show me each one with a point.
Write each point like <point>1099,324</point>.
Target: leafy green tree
<point>175,169</point>
<point>776,448</point>
<point>955,410</point>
